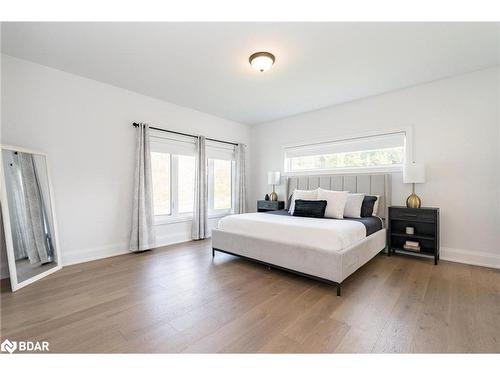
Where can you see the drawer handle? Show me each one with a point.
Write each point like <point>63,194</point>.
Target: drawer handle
<point>411,215</point>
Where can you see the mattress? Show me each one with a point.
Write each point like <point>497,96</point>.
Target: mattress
<point>372,223</point>
<point>327,235</point>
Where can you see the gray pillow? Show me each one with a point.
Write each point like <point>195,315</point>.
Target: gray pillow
<point>368,205</point>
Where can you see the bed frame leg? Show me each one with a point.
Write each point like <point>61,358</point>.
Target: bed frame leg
<point>338,290</point>
<point>213,252</point>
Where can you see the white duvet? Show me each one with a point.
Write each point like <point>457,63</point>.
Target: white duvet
<point>324,234</point>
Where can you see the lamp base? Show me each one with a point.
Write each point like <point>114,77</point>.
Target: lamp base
<point>274,196</point>
<point>413,201</point>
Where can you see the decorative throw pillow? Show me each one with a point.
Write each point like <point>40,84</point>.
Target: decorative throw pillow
<point>375,206</point>
<point>353,205</point>
<point>306,208</point>
<point>310,195</point>
<point>368,205</point>
<point>335,202</point>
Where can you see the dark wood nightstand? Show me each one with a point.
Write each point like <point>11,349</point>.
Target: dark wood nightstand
<point>263,206</point>
<point>425,222</point>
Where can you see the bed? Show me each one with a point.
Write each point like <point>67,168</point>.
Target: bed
<point>328,250</point>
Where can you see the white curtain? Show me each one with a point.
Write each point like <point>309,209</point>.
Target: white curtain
<point>28,217</point>
<point>200,211</point>
<point>241,191</point>
<point>142,236</point>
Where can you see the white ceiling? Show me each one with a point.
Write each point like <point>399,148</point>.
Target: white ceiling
<point>205,65</point>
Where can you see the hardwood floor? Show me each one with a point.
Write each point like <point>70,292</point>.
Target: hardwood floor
<point>175,299</point>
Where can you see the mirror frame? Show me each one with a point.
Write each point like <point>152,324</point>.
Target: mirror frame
<point>15,285</point>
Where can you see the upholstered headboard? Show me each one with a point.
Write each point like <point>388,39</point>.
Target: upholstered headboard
<point>373,184</point>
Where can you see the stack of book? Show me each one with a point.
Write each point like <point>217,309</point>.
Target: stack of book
<point>412,246</point>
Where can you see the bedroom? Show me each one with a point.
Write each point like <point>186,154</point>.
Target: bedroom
<point>268,187</point>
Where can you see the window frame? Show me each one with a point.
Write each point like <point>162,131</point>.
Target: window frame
<point>164,216</point>
<point>174,216</point>
<point>408,153</point>
<point>210,182</point>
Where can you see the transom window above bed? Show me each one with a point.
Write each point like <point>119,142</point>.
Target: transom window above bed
<point>371,153</point>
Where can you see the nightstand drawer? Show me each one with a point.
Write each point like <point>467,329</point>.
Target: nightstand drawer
<point>415,214</point>
<point>270,205</point>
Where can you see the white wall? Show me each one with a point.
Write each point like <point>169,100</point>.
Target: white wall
<point>456,134</point>
<point>86,128</point>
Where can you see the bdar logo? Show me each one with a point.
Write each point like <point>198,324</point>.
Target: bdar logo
<point>24,346</point>
<point>8,346</point>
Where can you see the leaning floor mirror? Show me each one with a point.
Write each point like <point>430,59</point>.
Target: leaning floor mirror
<point>28,216</point>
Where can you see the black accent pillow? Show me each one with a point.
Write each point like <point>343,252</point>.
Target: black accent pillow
<point>307,208</point>
<point>367,205</point>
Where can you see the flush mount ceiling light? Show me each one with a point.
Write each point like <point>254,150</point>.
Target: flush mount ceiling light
<point>261,61</point>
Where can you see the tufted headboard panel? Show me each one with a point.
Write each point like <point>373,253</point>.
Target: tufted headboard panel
<point>373,184</point>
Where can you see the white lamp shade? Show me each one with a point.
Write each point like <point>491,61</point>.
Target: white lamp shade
<point>273,178</point>
<point>414,173</point>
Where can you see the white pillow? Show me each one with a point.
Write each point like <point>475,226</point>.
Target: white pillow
<point>353,205</point>
<point>335,202</point>
<point>309,195</point>
<point>375,206</point>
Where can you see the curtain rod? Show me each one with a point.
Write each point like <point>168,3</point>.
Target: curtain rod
<point>135,124</point>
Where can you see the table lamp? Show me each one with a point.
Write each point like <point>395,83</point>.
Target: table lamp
<point>413,173</point>
<point>273,178</point>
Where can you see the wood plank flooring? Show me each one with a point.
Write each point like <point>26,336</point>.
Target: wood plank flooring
<point>176,299</point>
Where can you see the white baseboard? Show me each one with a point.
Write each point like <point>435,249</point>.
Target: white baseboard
<point>476,258</point>
<point>94,253</point>
<point>171,239</point>
<point>101,252</point>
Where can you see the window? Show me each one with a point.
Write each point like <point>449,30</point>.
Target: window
<point>185,190</point>
<point>382,152</point>
<point>221,178</point>
<point>220,186</point>
<point>160,169</point>
<point>173,171</point>
<point>173,174</point>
